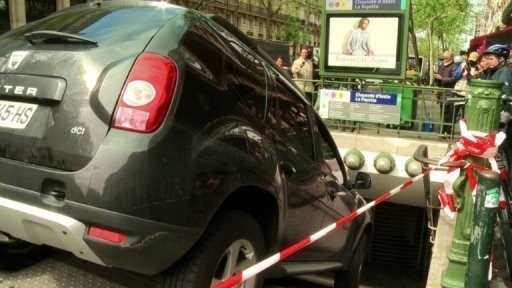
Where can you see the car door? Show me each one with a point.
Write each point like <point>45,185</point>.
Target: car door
<point>308,205</point>
<point>340,198</point>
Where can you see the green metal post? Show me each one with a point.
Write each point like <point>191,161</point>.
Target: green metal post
<point>482,113</point>
<point>487,200</point>
<point>484,106</point>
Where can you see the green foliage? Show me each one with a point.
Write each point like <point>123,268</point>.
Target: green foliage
<point>451,21</point>
<point>290,31</point>
<point>442,25</point>
<point>293,30</point>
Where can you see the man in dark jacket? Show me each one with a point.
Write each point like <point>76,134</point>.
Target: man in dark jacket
<point>445,77</point>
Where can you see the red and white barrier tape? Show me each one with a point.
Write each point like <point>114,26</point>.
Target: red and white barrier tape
<point>471,143</point>
<point>240,277</point>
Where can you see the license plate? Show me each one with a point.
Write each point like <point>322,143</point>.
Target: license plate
<point>15,114</point>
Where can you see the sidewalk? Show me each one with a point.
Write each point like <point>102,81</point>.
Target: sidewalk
<point>439,262</point>
<point>501,278</point>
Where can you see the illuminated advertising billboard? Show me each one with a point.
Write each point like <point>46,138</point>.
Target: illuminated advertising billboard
<point>362,37</point>
<point>376,48</point>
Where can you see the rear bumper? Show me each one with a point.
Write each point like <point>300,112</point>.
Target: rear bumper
<point>40,226</point>
<point>149,247</point>
<point>127,187</point>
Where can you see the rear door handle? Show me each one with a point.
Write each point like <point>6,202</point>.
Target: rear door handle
<point>288,168</point>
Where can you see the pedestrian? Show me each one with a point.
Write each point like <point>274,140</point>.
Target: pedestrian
<point>445,78</point>
<point>302,69</point>
<point>498,70</point>
<point>359,43</point>
<point>481,66</point>
<point>509,60</point>
<point>464,55</point>
<point>464,74</point>
<point>282,64</point>
<point>471,65</point>
<point>280,61</point>
<point>459,60</point>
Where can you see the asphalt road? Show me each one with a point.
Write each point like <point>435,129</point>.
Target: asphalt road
<point>63,270</point>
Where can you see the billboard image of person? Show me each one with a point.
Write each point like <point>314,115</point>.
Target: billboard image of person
<point>351,42</point>
<point>359,42</point>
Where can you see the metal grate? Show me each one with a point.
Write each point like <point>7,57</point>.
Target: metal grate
<point>400,236</point>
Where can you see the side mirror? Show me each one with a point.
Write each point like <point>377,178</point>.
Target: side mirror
<point>363,181</point>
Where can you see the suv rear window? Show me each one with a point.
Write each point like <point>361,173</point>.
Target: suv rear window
<point>104,23</point>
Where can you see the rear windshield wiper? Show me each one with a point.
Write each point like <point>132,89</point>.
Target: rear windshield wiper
<point>54,37</point>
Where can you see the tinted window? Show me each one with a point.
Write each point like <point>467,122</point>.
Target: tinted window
<point>328,156</point>
<point>290,118</point>
<point>327,152</point>
<point>104,23</point>
<point>244,71</point>
<point>249,81</point>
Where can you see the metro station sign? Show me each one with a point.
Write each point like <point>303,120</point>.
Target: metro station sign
<point>365,5</point>
<point>364,38</point>
<point>363,106</point>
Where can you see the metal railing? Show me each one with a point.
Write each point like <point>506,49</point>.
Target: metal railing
<point>421,112</point>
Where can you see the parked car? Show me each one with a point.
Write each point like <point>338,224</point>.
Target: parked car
<point>152,138</point>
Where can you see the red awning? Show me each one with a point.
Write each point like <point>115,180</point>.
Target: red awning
<point>477,41</point>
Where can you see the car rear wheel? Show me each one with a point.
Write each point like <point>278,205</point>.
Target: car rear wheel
<point>232,243</point>
<point>349,278</point>
<point>17,254</point>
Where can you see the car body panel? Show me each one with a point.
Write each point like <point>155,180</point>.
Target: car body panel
<point>237,135</point>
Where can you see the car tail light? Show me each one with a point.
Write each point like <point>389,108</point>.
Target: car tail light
<point>146,95</point>
<point>106,235</point>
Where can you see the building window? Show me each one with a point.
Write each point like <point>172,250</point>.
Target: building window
<point>37,9</point>
<point>76,2</point>
<point>251,25</point>
<point>4,16</point>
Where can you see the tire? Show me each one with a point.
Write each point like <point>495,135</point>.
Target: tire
<point>19,254</point>
<point>208,262</point>
<point>349,278</point>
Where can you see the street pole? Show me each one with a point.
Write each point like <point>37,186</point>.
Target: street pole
<point>482,114</point>
<point>487,200</point>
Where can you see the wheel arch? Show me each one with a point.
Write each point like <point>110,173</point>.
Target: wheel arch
<point>365,228</point>
<point>259,204</point>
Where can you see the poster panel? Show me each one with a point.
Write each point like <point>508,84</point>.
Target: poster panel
<point>363,44</point>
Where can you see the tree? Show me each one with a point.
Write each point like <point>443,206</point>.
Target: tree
<point>445,22</point>
<point>293,30</point>
<point>413,40</point>
<point>272,8</point>
<point>275,7</point>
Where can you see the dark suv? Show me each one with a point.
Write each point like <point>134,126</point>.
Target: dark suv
<point>152,138</point>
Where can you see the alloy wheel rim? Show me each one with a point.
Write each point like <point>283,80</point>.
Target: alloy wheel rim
<point>237,257</point>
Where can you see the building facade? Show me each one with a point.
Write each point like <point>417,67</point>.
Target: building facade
<point>15,13</point>
<point>490,16</point>
<point>295,24</point>
<point>493,26</point>
<point>253,16</point>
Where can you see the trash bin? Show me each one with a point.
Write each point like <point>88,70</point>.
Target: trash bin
<point>408,102</point>
<point>410,97</point>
